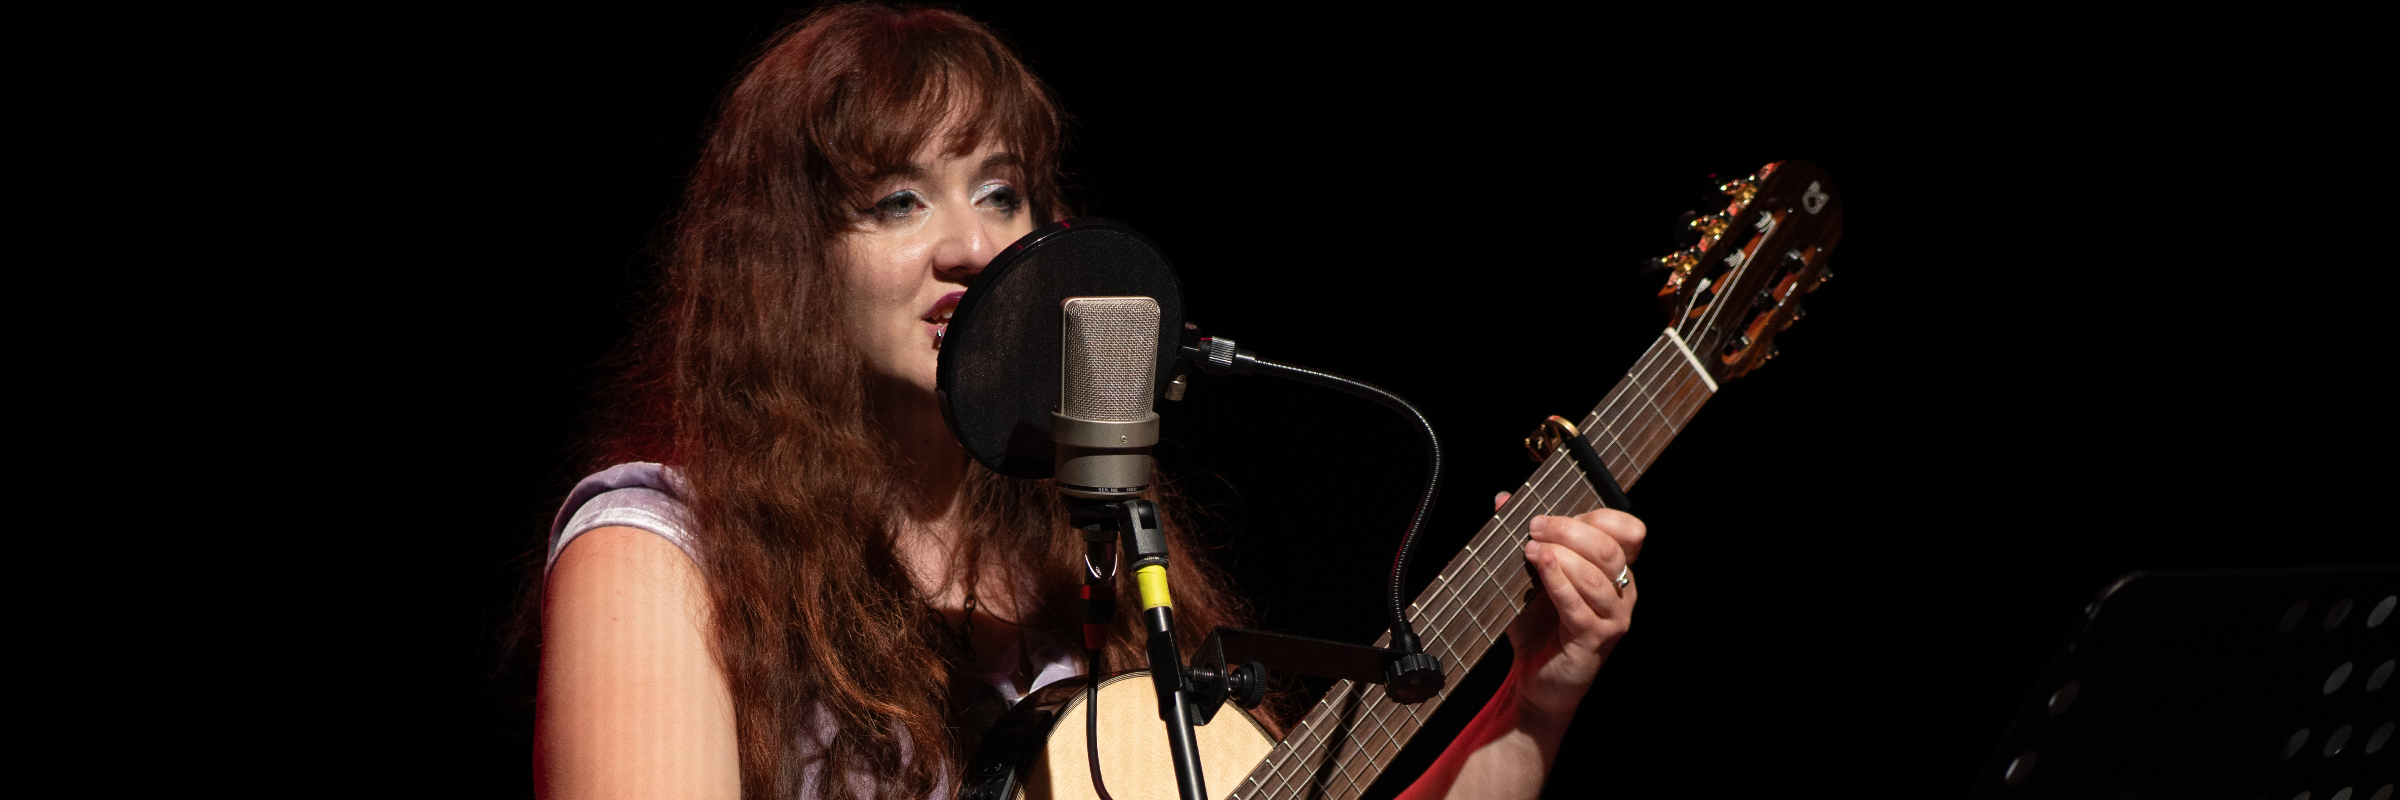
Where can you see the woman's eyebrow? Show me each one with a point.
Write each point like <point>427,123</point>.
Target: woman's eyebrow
<point>998,161</point>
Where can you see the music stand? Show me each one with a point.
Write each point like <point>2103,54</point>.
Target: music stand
<point>2259,684</point>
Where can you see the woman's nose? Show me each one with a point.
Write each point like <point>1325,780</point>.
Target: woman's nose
<point>967,244</point>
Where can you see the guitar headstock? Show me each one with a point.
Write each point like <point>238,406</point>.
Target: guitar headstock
<point>1728,294</point>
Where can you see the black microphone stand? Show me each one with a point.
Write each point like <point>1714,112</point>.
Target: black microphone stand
<point>1135,524</point>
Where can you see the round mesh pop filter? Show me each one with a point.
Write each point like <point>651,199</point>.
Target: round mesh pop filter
<point>998,380</point>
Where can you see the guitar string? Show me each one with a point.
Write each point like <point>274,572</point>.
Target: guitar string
<point>1450,605</point>
<point>1610,416</point>
<point>1652,438</point>
<point>1684,402</point>
<point>1553,490</point>
<point>1711,317</point>
<point>1332,755</point>
<point>1549,491</point>
<point>1503,603</point>
<point>1634,381</point>
<point>1684,395</point>
<point>1546,495</point>
<point>1382,753</point>
<point>1381,744</point>
<point>1307,738</point>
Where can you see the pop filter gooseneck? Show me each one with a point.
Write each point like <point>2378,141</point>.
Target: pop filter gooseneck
<point>998,380</point>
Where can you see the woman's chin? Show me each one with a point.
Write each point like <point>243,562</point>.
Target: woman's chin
<point>904,385</point>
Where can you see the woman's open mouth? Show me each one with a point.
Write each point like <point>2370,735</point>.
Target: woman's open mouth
<point>938,319</point>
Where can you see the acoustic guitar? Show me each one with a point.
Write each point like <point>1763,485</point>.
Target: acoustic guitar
<point>1726,295</point>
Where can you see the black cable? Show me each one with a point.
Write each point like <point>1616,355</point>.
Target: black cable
<point>1099,612</point>
<point>1404,637</point>
<point>1091,723</point>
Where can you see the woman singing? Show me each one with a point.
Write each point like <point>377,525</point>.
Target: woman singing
<point>790,581</point>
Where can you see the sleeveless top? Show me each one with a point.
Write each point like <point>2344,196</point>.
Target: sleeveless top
<point>646,496</point>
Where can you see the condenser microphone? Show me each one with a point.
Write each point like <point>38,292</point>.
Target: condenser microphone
<point>1062,293</point>
<point>1108,377</point>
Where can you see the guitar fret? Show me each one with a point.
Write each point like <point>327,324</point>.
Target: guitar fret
<point>1314,767</point>
<point>1283,778</point>
<point>1392,734</point>
<point>1484,582</point>
<point>1333,752</point>
<point>1678,391</point>
<point>1376,748</point>
<point>1663,427</point>
<point>1395,736</point>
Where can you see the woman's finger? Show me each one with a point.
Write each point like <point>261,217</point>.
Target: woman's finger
<point>1568,601</point>
<point>1499,500</point>
<point>1595,580</point>
<point>1593,544</point>
<point>1627,529</point>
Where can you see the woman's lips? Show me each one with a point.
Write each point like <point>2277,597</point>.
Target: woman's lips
<point>937,319</point>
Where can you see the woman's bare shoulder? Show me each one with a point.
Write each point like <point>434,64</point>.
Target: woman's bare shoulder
<point>624,562</point>
<point>631,701</point>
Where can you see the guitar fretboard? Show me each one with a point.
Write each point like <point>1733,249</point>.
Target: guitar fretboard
<point>1336,751</point>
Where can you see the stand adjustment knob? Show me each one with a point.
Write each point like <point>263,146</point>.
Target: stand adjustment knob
<point>1413,678</point>
<point>1247,687</point>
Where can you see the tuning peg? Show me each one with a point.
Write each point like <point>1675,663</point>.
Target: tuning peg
<point>1822,277</point>
<point>1679,261</point>
<point>1741,191</point>
<point>1685,235</point>
<point>1735,345</point>
<point>1798,311</point>
<point>1765,299</point>
<point>1711,225</point>
<point>1772,351</point>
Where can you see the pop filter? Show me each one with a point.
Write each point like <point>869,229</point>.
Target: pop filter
<point>998,379</point>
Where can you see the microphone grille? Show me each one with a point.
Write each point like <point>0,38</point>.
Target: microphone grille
<point>1110,364</point>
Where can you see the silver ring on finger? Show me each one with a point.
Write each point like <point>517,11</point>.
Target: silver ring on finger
<point>1625,577</point>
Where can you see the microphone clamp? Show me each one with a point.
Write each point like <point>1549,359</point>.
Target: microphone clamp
<point>1217,355</point>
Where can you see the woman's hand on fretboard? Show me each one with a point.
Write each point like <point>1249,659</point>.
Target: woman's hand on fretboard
<point>1579,612</point>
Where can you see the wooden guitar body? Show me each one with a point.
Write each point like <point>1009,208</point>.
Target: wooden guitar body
<point>1043,735</point>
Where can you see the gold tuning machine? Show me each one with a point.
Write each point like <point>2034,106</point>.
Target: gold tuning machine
<point>1741,191</point>
<point>1548,438</point>
<point>1711,226</point>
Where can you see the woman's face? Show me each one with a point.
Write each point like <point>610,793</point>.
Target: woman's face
<point>910,256</point>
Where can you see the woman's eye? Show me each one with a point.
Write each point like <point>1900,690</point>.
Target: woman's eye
<point>1003,197</point>
<point>897,207</point>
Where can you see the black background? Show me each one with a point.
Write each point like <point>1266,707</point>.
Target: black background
<point>2112,297</point>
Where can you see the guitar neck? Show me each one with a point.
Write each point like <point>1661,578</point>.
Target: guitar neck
<point>1337,751</point>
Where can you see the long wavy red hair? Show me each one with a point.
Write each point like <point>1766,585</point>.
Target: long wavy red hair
<point>746,379</point>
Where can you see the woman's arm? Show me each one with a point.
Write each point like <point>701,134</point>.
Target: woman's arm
<point>631,702</point>
<point>1560,641</point>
